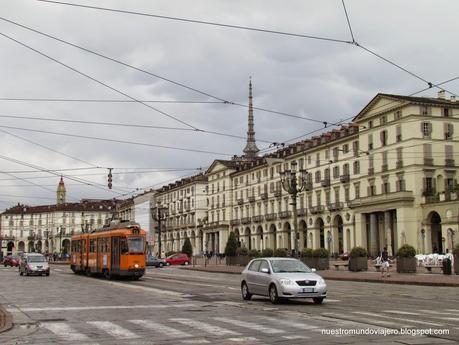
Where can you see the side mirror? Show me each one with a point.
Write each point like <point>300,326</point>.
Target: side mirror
<point>313,270</point>
<point>264,270</point>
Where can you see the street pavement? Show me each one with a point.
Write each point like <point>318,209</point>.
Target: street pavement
<point>179,306</point>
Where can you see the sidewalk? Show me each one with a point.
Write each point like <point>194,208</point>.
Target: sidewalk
<point>5,320</point>
<point>427,279</point>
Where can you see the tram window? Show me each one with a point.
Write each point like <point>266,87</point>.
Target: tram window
<point>136,244</point>
<point>83,244</point>
<point>123,246</point>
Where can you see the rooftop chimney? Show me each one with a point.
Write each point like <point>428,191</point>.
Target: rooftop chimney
<point>453,99</point>
<point>441,94</point>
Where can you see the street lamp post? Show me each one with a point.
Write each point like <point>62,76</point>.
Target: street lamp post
<point>294,185</point>
<point>159,214</point>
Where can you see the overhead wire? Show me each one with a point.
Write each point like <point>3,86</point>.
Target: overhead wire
<point>117,141</point>
<point>97,81</point>
<point>94,100</point>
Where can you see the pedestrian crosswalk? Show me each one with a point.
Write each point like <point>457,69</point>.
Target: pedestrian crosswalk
<point>250,329</point>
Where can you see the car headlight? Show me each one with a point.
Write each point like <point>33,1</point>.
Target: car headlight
<point>320,281</point>
<point>285,282</point>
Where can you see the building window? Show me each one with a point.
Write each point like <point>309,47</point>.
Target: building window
<point>357,190</point>
<point>446,112</point>
<point>398,134</point>
<point>370,141</point>
<point>449,130</point>
<point>356,167</point>
<point>425,110</point>
<point>318,176</point>
<point>383,136</point>
<point>398,114</point>
<point>345,148</point>
<point>370,124</point>
<point>382,120</point>
<point>426,129</point>
<point>336,172</point>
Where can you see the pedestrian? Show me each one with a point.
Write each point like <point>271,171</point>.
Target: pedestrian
<point>385,263</point>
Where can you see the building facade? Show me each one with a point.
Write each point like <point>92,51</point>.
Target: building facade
<point>384,180</point>
<point>48,228</point>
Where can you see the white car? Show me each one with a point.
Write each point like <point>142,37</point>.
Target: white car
<point>33,263</point>
<point>282,278</point>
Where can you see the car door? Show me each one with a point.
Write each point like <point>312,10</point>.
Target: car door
<point>251,276</point>
<point>264,278</point>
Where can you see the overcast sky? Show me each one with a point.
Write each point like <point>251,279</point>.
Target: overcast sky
<point>322,80</point>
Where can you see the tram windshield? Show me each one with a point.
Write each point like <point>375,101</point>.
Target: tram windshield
<point>136,244</point>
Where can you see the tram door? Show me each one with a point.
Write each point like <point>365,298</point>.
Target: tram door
<point>115,255</point>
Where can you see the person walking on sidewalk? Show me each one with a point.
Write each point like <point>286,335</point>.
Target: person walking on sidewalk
<point>385,263</point>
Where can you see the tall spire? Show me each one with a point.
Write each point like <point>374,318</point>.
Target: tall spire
<point>251,150</point>
<point>60,192</point>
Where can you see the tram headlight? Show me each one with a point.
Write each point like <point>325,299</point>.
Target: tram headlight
<point>136,265</point>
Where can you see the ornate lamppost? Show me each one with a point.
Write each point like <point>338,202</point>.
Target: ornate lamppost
<point>293,185</point>
<point>159,214</point>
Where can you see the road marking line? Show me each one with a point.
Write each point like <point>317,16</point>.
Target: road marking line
<point>171,332</point>
<point>145,288</point>
<point>63,330</point>
<point>153,306</point>
<point>242,339</point>
<point>204,326</point>
<point>250,325</point>
<point>196,341</point>
<point>298,325</point>
<point>364,321</point>
<point>332,300</point>
<point>401,312</point>
<point>448,318</point>
<point>453,310</point>
<point>295,337</point>
<point>437,312</point>
<point>397,318</point>
<point>113,329</point>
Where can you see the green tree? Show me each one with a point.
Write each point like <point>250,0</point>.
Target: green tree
<point>231,245</point>
<point>187,247</point>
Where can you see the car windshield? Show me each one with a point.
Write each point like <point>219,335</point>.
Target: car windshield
<point>36,259</point>
<point>135,244</point>
<point>290,266</point>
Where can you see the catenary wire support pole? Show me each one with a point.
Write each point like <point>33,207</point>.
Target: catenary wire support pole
<point>293,185</point>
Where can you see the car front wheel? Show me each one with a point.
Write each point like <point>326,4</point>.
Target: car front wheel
<point>273,296</point>
<point>186,263</point>
<point>318,300</point>
<point>246,295</point>
<point>160,265</point>
<point>168,263</point>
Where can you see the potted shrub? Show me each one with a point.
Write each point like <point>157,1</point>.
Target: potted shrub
<point>406,261</point>
<point>322,257</point>
<point>280,252</point>
<point>267,253</point>
<point>230,249</point>
<point>456,259</point>
<point>242,256</point>
<point>308,258</point>
<point>358,260</point>
<point>253,253</point>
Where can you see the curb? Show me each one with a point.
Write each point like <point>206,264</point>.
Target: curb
<point>6,322</point>
<point>360,280</point>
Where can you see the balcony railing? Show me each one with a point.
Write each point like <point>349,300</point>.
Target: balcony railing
<point>449,162</point>
<point>257,219</point>
<point>345,178</point>
<point>7,238</point>
<point>384,167</point>
<point>308,186</point>
<point>240,201</point>
<point>251,199</point>
<point>428,161</point>
<point>302,212</point>
<point>277,193</point>
<point>371,171</point>
<point>246,220</point>
<point>399,164</point>
<point>271,216</point>
<point>335,206</point>
<point>285,214</point>
<point>264,196</point>
<point>235,222</point>
<point>325,182</point>
<point>316,209</point>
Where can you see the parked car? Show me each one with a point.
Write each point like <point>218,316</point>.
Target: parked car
<point>177,259</point>
<point>11,260</point>
<point>154,261</point>
<point>281,278</point>
<point>34,263</point>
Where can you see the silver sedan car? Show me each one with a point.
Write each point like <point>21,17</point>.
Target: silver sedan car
<point>282,278</point>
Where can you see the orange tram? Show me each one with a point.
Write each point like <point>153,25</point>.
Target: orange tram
<point>113,251</point>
